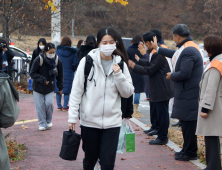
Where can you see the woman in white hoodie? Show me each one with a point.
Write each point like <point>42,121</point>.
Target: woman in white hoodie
<point>100,105</point>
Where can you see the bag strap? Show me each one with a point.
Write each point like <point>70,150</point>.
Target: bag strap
<point>56,60</point>
<point>88,66</point>
<point>41,60</point>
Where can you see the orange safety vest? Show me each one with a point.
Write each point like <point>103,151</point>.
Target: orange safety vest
<point>216,64</point>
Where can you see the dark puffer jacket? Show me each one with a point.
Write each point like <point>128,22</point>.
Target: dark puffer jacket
<point>40,75</point>
<point>69,59</point>
<point>138,79</point>
<point>83,51</point>
<point>186,78</point>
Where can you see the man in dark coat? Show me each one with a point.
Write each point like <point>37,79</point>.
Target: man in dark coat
<point>161,90</point>
<point>187,66</point>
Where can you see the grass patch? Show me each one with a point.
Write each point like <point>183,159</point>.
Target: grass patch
<point>16,151</point>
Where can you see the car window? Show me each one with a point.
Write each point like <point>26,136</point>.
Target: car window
<point>127,42</point>
<point>17,52</point>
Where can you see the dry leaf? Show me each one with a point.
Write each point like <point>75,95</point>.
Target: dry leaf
<point>176,163</point>
<point>137,167</point>
<point>24,127</point>
<point>137,130</point>
<point>122,159</point>
<point>160,166</point>
<point>172,154</point>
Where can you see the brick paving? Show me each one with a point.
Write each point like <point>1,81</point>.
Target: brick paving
<point>44,146</point>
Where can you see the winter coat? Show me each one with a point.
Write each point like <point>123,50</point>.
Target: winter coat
<point>161,89</point>
<point>146,77</point>
<point>138,79</point>
<point>8,106</point>
<point>70,62</point>
<point>40,75</point>
<point>211,98</point>
<point>9,57</point>
<point>100,105</point>
<point>186,78</point>
<point>35,54</point>
<point>83,51</point>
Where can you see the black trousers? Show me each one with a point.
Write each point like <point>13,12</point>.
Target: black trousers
<point>159,112</point>
<point>190,139</point>
<point>99,143</point>
<point>213,158</point>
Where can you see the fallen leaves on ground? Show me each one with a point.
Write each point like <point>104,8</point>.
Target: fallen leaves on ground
<point>24,127</point>
<point>123,159</point>
<point>136,129</point>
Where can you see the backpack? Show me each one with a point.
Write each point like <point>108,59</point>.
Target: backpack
<point>9,110</point>
<point>41,60</point>
<point>88,65</point>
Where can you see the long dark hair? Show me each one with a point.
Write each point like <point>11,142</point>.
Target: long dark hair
<point>121,51</point>
<point>42,40</point>
<point>136,40</point>
<point>91,41</point>
<point>79,44</point>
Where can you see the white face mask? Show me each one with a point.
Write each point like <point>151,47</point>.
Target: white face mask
<point>42,47</point>
<point>51,56</point>
<point>108,49</point>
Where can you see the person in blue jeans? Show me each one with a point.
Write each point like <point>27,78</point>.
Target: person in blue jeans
<point>68,56</point>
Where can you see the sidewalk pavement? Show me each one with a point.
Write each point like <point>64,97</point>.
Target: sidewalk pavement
<point>44,146</point>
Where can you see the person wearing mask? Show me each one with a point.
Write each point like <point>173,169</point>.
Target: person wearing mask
<point>40,48</point>
<point>210,111</point>
<point>6,56</point>
<point>138,79</point>
<point>68,56</point>
<point>46,67</point>
<point>79,44</point>
<point>161,90</point>
<point>187,64</point>
<point>161,43</point>
<point>89,45</point>
<point>100,125</point>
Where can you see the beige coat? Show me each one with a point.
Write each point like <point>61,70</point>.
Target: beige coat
<point>211,98</point>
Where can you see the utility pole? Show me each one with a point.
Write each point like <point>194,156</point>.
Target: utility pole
<point>72,31</point>
<point>56,24</point>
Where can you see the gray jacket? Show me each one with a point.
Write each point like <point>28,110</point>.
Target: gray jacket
<point>8,114</point>
<point>211,98</point>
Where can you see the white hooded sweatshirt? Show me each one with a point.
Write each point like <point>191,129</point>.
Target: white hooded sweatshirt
<point>100,106</point>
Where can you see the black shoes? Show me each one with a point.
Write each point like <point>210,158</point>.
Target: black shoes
<point>148,131</point>
<point>176,124</point>
<point>183,157</point>
<point>178,153</point>
<point>154,132</point>
<point>158,142</point>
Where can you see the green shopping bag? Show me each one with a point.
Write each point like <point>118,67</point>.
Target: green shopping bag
<point>130,139</point>
<point>122,138</point>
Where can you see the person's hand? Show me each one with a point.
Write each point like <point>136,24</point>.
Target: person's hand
<point>3,66</point>
<point>203,115</point>
<point>137,58</point>
<point>168,77</point>
<point>131,64</point>
<point>154,43</point>
<point>116,68</point>
<point>72,126</point>
<point>60,92</point>
<point>142,49</point>
<point>127,118</point>
<point>47,83</point>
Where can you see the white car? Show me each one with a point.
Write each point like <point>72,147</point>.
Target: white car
<point>206,58</point>
<point>19,54</point>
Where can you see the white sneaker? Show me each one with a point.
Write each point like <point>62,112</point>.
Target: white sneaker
<point>49,125</point>
<point>41,128</point>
